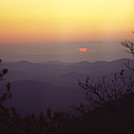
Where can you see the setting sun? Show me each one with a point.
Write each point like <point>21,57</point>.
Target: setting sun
<point>83,49</point>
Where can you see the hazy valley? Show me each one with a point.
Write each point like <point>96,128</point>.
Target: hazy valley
<point>37,86</point>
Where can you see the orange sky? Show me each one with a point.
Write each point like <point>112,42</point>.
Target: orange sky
<point>23,21</point>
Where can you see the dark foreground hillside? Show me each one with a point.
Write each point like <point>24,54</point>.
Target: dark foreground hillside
<point>111,118</point>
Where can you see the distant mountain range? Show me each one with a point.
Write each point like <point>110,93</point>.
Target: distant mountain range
<point>36,86</point>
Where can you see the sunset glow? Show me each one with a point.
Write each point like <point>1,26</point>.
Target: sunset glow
<point>83,49</point>
<point>66,20</point>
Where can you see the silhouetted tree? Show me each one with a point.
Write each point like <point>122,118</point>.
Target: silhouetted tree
<point>129,45</point>
<point>109,103</point>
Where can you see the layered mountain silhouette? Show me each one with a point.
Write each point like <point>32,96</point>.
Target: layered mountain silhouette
<point>36,86</point>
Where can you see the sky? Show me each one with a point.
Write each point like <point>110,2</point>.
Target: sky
<point>56,25</point>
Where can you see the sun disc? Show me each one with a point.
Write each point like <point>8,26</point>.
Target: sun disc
<point>83,49</point>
